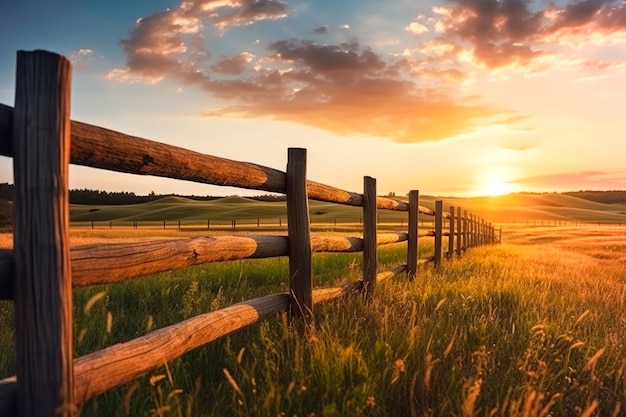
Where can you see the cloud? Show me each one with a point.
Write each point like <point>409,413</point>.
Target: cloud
<point>508,33</point>
<point>233,65</point>
<point>321,30</point>
<point>345,87</point>
<point>82,58</point>
<point>249,12</point>
<point>416,28</point>
<point>578,180</point>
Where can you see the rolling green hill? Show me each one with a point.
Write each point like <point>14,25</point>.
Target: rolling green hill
<point>510,208</point>
<point>520,207</point>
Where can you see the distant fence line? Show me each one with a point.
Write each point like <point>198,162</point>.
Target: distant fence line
<point>242,223</point>
<point>563,223</point>
<point>39,273</point>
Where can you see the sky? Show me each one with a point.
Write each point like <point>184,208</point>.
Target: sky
<point>451,97</point>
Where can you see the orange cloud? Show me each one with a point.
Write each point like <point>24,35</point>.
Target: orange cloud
<point>344,88</point>
<point>508,33</point>
<point>349,88</point>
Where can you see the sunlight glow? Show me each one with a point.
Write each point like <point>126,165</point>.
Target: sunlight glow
<point>495,188</point>
<point>495,181</point>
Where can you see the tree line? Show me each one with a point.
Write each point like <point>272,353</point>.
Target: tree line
<point>607,197</point>
<point>99,197</point>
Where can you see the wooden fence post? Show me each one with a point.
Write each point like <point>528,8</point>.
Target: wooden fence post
<point>459,233</point>
<point>438,231</point>
<point>299,238</point>
<point>451,234</point>
<point>481,228</point>
<point>472,230</point>
<point>370,246</point>
<point>413,241</point>
<point>476,230</point>
<point>465,225</point>
<point>43,293</point>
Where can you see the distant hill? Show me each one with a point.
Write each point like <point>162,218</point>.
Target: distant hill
<point>607,197</point>
<point>584,206</point>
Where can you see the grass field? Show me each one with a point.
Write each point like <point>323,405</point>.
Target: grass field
<point>533,327</point>
<point>515,208</point>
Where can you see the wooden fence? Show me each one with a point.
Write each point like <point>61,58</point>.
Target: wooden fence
<point>40,271</point>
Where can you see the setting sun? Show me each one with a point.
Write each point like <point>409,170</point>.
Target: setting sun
<point>496,188</point>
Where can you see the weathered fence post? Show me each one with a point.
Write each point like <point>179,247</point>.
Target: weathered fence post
<point>465,230</point>
<point>370,246</point>
<point>438,231</point>
<point>472,230</point>
<point>481,228</point>
<point>412,243</point>
<point>451,234</point>
<point>459,233</point>
<point>43,282</point>
<point>299,238</point>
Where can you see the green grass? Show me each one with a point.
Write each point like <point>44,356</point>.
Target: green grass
<point>536,326</point>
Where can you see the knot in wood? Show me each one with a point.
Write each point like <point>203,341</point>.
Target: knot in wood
<point>194,254</point>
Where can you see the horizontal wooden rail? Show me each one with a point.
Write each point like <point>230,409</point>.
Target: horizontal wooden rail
<point>100,371</point>
<point>97,372</point>
<point>110,263</point>
<point>102,148</point>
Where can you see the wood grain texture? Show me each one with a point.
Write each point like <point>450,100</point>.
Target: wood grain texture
<point>370,222</point>
<point>116,262</point>
<point>98,147</point>
<point>98,264</point>
<point>103,148</point>
<point>43,283</point>
<point>299,235</point>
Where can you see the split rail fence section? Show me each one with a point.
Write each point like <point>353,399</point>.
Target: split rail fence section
<point>40,271</point>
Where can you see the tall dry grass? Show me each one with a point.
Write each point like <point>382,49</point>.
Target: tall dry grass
<point>534,327</point>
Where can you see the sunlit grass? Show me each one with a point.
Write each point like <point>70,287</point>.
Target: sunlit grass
<point>536,326</point>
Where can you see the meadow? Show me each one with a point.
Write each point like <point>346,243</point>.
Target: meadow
<point>535,326</point>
